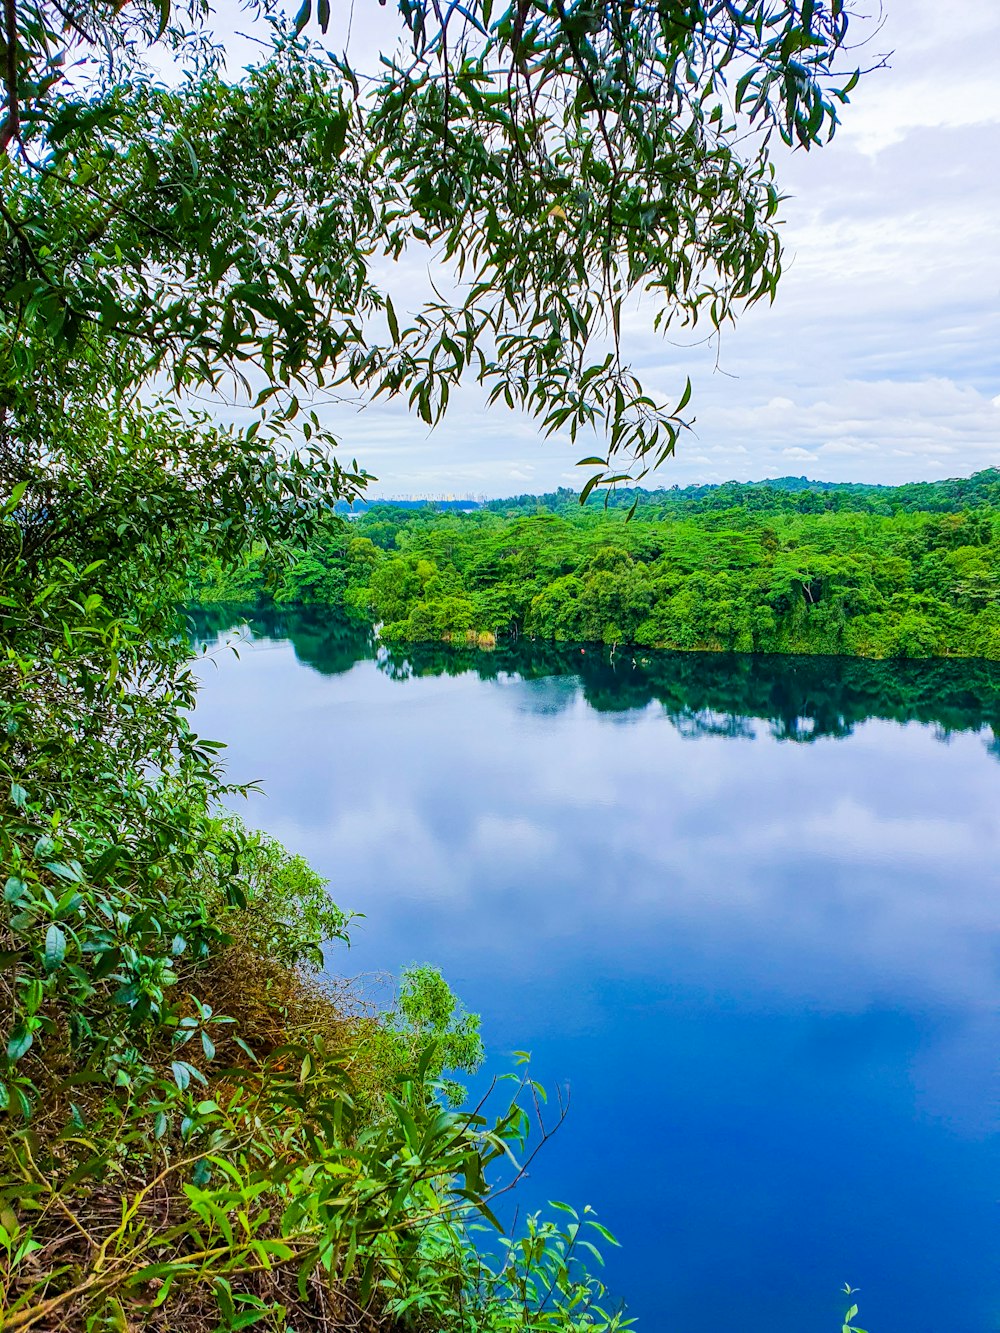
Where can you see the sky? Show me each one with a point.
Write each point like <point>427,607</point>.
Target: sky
<point>880,359</point>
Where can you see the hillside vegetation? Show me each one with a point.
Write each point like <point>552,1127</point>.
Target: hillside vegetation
<point>796,495</point>
<point>859,571</point>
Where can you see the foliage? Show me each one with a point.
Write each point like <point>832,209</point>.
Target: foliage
<point>191,1132</point>
<point>907,584</point>
<point>791,495</point>
<point>286,913</point>
<point>261,1191</point>
<point>852,1313</point>
<point>427,1011</point>
<point>538,1282</point>
<point>552,158</point>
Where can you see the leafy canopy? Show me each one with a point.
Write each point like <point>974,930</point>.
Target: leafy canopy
<point>549,158</point>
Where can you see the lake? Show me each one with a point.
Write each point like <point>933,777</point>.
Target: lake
<point>745,909</point>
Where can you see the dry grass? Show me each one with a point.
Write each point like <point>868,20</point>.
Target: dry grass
<point>273,1007</point>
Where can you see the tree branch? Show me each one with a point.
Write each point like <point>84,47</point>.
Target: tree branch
<point>12,125</point>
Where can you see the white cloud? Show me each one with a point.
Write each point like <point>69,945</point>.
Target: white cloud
<point>925,37</point>
<point>841,447</point>
<point>889,112</point>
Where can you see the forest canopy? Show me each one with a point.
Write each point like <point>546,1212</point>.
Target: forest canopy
<point>869,571</point>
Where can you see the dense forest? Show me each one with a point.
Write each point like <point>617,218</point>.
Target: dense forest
<point>794,495</point>
<point>861,571</point>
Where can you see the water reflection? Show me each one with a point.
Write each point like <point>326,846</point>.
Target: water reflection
<point>803,698</point>
<point>768,971</point>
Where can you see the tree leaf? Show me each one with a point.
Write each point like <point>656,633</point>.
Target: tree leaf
<point>19,1042</point>
<point>15,889</point>
<point>55,948</point>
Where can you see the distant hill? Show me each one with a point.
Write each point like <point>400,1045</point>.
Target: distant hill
<point>363,506</point>
<point>772,495</point>
<point>783,495</point>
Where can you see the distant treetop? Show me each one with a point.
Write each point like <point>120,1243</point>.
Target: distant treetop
<point>782,495</point>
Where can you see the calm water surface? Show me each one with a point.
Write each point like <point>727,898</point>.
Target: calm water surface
<point>747,910</point>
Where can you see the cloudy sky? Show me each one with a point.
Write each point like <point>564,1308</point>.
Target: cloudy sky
<point>879,361</point>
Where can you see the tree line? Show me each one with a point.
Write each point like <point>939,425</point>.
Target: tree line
<point>796,495</point>
<point>761,578</point>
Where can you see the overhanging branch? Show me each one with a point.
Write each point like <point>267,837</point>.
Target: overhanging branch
<point>11,128</point>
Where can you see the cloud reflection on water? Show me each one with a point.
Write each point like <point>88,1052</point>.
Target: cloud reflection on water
<point>786,953</point>
<point>591,825</point>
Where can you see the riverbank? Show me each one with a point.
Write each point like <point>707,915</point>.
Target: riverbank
<point>748,578</point>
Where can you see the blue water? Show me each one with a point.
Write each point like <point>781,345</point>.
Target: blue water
<point>759,948</point>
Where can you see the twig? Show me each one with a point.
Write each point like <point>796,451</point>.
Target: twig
<point>12,125</point>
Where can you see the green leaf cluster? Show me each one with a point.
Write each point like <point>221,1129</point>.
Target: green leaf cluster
<point>237,234</point>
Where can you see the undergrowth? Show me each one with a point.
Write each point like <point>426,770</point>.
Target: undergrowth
<point>275,1153</point>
